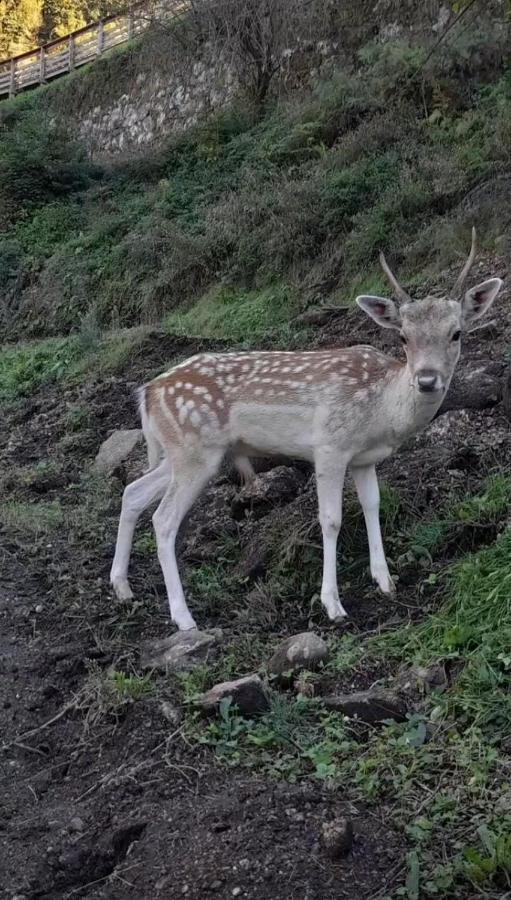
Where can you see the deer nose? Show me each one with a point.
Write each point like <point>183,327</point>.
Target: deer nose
<point>428,381</point>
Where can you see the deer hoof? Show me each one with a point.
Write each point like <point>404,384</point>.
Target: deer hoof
<point>334,609</point>
<point>122,589</point>
<point>385,583</point>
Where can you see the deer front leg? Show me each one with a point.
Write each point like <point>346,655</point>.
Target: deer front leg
<point>368,492</point>
<point>330,472</point>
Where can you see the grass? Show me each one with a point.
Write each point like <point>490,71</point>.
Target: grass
<point>231,228</point>
<point>462,519</point>
<point>33,518</point>
<point>240,316</point>
<point>107,693</point>
<point>28,366</point>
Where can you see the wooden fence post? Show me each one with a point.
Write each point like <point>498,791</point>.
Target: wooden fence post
<point>71,52</point>
<point>42,66</point>
<point>12,82</point>
<point>101,37</point>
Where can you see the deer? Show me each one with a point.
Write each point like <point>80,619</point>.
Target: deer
<point>339,409</point>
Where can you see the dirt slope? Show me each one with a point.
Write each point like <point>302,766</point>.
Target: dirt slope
<point>115,803</point>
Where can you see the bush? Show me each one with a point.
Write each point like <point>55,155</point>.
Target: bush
<point>38,163</point>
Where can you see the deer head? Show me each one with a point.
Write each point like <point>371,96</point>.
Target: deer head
<point>431,329</point>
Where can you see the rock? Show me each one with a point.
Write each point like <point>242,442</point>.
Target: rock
<point>170,712</point>
<point>181,651</point>
<point>314,317</point>
<point>424,679</point>
<point>267,490</point>
<point>76,824</point>
<point>301,651</point>
<point>373,706</point>
<point>247,693</point>
<point>337,837</point>
<point>476,389</point>
<point>116,449</point>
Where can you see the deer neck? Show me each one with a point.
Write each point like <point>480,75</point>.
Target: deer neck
<point>410,411</point>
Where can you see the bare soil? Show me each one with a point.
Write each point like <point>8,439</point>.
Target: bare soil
<point>121,806</point>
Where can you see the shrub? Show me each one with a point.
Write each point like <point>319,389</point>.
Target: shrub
<point>38,163</point>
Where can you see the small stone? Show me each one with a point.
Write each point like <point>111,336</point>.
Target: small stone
<point>76,824</point>
<point>180,652</point>
<point>116,449</point>
<point>248,694</point>
<point>236,891</point>
<point>170,712</point>
<point>337,837</point>
<point>39,608</point>
<point>301,651</point>
<point>430,677</point>
<point>372,707</point>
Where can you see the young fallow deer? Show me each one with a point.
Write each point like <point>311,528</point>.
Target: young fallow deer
<point>339,409</point>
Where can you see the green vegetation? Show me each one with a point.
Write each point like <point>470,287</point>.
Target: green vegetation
<point>36,518</point>
<point>239,316</point>
<point>234,226</point>
<point>462,520</point>
<point>26,367</point>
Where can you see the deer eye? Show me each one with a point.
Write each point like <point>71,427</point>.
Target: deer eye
<point>402,338</point>
<point>456,336</point>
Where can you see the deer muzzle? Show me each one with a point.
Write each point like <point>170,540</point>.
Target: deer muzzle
<point>429,382</point>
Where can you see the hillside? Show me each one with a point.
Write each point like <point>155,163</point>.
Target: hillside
<point>256,228</point>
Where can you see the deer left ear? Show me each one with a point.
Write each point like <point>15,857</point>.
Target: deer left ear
<point>383,311</point>
<point>479,299</point>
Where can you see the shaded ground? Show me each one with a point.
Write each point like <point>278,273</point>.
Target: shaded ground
<point>112,801</point>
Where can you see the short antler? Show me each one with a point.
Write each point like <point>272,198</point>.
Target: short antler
<point>462,277</point>
<point>398,290</point>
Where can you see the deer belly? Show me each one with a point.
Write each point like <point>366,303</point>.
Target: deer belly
<point>373,456</point>
<point>273,430</point>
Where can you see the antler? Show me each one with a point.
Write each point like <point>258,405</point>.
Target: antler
<point>399,291</point>
<point>462,277</point>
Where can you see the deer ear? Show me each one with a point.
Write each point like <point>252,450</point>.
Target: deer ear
<point>479,299</point>
<point>383,311</point>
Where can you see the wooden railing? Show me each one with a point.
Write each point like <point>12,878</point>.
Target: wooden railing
<point>83,46</point>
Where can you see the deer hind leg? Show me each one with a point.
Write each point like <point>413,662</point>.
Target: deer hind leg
<point>330,473</point>
<point>366,483</point>
<point>189,478</point>
<point>137,496</point>
<point>245,469</point>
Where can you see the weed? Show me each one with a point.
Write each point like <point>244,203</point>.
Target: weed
<point>78,418</point>
<point>131,687</point>
<point>291,740</point>
<point>108,693</point>
<point>145,543</point>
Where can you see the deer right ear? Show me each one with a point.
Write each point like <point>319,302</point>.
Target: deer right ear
<point>383,311</point>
